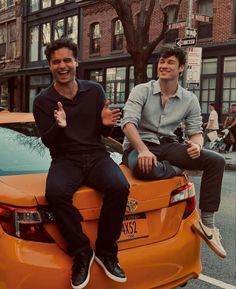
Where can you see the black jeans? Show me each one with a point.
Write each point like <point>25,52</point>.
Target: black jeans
<point>211,163</point>
<point>100,172</point>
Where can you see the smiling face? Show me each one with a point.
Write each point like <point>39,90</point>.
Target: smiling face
<point>63,66</point>
<point>169,68</point>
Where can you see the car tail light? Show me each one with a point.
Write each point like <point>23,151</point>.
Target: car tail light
<point>25,223</point>
<point>187,194</point>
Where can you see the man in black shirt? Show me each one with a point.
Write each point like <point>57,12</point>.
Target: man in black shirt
<point>71,116</point>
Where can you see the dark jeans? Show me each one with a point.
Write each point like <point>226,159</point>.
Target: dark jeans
<point>100,172</point>
<point>211,163</point>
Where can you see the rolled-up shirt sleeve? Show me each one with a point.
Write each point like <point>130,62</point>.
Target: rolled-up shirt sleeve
<point>134,105</point>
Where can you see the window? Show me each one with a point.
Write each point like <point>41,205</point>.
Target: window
<point>10,3</point>
<point>46,37</point>
<point>36,84</point>
<point>205,7</point>
<point>34,5</point>
<point>131,75</point>
<point>117,35</point>
<point>34,42</point>
<point>115,85</point>
<point>2,4</point>
<point>46,3</point>
<point>12,40</point>
<point>72,28</point>
<point>229,83</point>
<point>207,94</point>
<point>59,1</point>
<point>58,29</point>
<point>95,38</point>
<point>96,75</point>
<point>3,40</point>
<point>171,34</point>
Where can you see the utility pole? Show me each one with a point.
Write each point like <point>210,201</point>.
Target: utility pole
<point>190,12</point>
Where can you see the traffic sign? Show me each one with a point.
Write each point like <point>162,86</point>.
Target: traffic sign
<point>201,18</point>
<point>177,25</point>
<point>184,42</point>
<point>193,72</point>
<point>190,32</point>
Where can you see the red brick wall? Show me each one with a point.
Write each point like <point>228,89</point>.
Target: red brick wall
<point>103,13</point>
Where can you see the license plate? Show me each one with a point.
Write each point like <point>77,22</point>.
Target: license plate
<point>134,227</point>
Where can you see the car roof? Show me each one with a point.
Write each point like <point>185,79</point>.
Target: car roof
<point>15,117</point>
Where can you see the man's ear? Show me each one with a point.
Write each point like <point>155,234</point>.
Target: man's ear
<point>77,62</point>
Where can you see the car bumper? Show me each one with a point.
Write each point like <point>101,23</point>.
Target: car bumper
<point>167,264</point>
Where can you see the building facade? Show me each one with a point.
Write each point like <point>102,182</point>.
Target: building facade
<point>99,33</point>
<point>10,52</point>
<point>104,57</point>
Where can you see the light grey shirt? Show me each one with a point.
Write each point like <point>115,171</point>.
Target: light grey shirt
<point>144,109</point>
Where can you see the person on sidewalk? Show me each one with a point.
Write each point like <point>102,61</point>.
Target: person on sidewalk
<point>230,123</point>
<point>151,115</point>
<point>212,125</point>
<point>71,116</point>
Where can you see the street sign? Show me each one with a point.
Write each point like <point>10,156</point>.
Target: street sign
<point>193,72</point>
<point>190,32</point>
<point>202,18</point>
<point>177,25</point>
<point>184,42</point>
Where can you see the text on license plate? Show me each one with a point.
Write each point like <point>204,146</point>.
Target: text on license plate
<point>134,226</point>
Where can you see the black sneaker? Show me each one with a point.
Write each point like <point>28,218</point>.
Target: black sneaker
<point>112,268</point>
<point>81,269</point>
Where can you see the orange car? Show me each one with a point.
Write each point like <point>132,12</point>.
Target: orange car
<point>157,247</point>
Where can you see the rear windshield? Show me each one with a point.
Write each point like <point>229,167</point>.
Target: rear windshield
<point>21,150</point>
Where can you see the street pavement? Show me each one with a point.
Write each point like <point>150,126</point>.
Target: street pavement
<point>230,159</point>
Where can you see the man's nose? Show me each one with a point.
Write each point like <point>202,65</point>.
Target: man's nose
<point>62,64</point>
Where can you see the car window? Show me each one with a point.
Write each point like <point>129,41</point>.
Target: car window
<point>21,152</point>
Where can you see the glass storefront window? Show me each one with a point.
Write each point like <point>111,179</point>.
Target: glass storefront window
<point>34,42</point>
<point>96,75</point>
<point>36,84</point>
<point>59,1</point>
<point>4,94</point>
<point>230,64</point>
<point>209,66</point>
<point>115,85</point>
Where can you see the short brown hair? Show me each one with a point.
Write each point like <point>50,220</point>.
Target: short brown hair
<point>60,43</point>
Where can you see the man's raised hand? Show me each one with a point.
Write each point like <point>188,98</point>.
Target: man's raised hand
<point>110,117</point>
<point>60,115</point>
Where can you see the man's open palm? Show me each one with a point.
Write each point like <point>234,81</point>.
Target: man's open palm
<point>110,117</point>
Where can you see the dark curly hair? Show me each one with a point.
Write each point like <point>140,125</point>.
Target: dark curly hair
<point>61,43</point>
<point>179,53</point>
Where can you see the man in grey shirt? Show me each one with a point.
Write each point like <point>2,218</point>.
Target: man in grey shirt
<point>152,113</point>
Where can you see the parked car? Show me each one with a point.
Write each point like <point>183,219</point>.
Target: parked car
<point>157,247</point>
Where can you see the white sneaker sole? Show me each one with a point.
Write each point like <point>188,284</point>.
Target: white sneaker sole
<point>113,277</point>
<point>197,229</point>
<point>85,283</point>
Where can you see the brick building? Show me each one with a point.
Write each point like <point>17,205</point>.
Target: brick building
<point>10,52</point>
<point>103,55</point>
<point>109,63</point>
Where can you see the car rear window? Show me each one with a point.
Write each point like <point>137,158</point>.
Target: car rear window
<point>21,150</point>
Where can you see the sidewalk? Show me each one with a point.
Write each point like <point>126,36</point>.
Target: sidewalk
<point>230,159</point>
